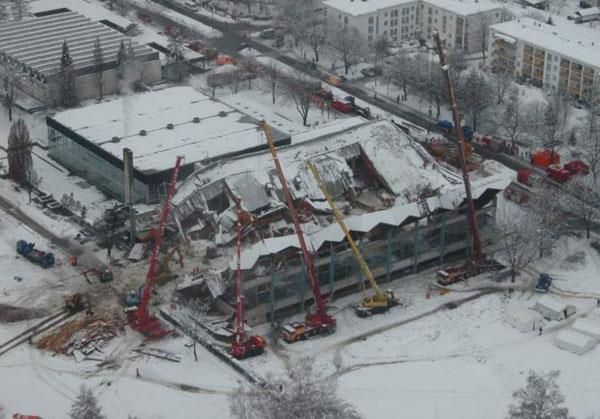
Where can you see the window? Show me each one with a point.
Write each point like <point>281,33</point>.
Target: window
<point>346,20</point>
<point>370,29</point>
<point>385,23</point>
<point>370,38</point>
<point>429,20</point>
<point>370,20</point>
<point>436,11</point>
<point>384,33</point>
<point>405,11</point>
<point>385,14</point>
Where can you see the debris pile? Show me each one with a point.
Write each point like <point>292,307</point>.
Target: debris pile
<point>80,338</point>
<point>11,314</point>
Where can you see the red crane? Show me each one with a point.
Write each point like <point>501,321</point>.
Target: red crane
<point>140,319</point>
<point>243,346</point>
<point>462,145</point>
<point>319,322</point>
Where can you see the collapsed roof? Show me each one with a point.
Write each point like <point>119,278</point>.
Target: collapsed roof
<point>387,177</point>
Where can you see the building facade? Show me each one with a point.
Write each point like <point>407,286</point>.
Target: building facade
<point>459,22</point>
<point>33,48</point>
<point>564,58</point>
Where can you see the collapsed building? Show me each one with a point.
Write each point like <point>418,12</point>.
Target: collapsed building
<point>404,208</point>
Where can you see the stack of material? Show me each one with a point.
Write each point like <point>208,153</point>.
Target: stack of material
<point>523,319</point>
<point>587,327</point>
<point>80,337</point>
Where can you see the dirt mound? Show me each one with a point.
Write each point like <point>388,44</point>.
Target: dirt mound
<point>11,314</point>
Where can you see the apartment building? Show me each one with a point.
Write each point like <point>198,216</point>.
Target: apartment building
<point>562,56</point>
<point>458,22</point>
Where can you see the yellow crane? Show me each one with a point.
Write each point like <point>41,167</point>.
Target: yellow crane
<point>380,301</point>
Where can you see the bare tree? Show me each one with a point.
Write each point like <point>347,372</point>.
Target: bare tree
<point>19,152</point>
<point>515,235</point>
<point>98,67</point>
<point>476,95</point>
<point>293,14</point>
<point>591,140</point>
<point>483,22</point>
<point>11,84</point>
<point>301,90</point>
<point>86,405</point>
<point>20,9</point>
<point>4,15</point>
<point>541,398</point>
<point>176,66</point>
<point>381,46</point>
<point>581,197</point>
<point>302,394</point>
<point>272,75</point>
<point>547,218</point>
<point>400,73</point>
<point>33,180</point>
<point>501,83</point>
<point>66,80</point>
<point>316,32</point>
<point>513,119</point>
<point>122,6</point>
<point>347,44</point>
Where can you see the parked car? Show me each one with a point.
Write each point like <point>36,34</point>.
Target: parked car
<point>267,33</point>
<point>371,71</point>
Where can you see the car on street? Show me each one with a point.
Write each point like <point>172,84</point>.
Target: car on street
<point>342,105</point>
<point>371,71</point>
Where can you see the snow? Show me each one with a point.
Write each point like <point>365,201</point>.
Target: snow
<point>573,341</point>
<point>362,7</point>
<point>221,130</point>
<point>92,9</point>
<point>523,319</point>
<point>588,12</point>
<point>587,327</point>
<point>552,307</point>
<point>505,38</point>
<point>569,40</point>
<point>358,7</point>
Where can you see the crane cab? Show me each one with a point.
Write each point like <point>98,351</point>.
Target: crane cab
<point>376,304</point>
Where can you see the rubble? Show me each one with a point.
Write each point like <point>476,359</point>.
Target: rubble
<point>80,338</point>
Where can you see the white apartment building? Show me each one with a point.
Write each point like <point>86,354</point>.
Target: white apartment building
<point>458,21</point>
<point>564,56</point>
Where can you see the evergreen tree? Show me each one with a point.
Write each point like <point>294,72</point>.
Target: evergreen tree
<point>68,96</point>
<point>19,152</point>
<point>98,64</point>
<point>539,399</point>
<point>86,406</point>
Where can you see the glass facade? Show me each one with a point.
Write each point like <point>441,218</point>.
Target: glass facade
<point>92,167</point>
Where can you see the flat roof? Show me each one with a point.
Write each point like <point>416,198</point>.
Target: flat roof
<point>219,131</point>
<point>463,7</point>
<point>37,43</point>
<point>363,7</point>
<point>573,41</point>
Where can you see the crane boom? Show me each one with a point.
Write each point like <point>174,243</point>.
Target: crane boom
<point>321,317</point>
<point>239,306</point>
<point>477,254</point>
<point>340,220</point>
<point>142,320</point>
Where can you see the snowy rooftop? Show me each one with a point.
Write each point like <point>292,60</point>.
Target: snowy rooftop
<point>202,127</point>
<point>463,7</point>
<point>36,43</point>
<point>363,7</point>
<point>567,39</point>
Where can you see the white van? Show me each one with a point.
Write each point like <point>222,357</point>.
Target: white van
<point>190,5</point>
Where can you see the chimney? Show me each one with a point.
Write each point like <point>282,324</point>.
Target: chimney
<point>128,191</point>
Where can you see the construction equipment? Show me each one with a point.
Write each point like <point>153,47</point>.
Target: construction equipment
<point>243,346</point>
<point>319,322</point>
<point>104,275</point>
<point>76,302</point>
<point>378,303</point>
<point>476,262</point>
<point>543,283</point>
<point>140,319</point>
<point>44,259</point>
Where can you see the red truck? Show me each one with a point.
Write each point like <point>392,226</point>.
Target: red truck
<point>342,105</point>
<point>577,167</point>
<point>558,174</point>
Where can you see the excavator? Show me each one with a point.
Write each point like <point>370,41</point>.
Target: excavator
<point>319,322</point>
<point>380,302</point>
<point>243,346</point>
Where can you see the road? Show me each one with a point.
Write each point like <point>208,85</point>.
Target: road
<point>86,258</point>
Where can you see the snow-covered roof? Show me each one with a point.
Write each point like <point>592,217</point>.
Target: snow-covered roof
<point>363,7</point>
<point>551,303</point>
<point>587,327</point>
<point>463,7</point>
<point>573,341</point>
<point>36,43</point>
<point>588,12</point>
<point>202,128</point>
<point>571,41</point>
<point>505,38</point>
